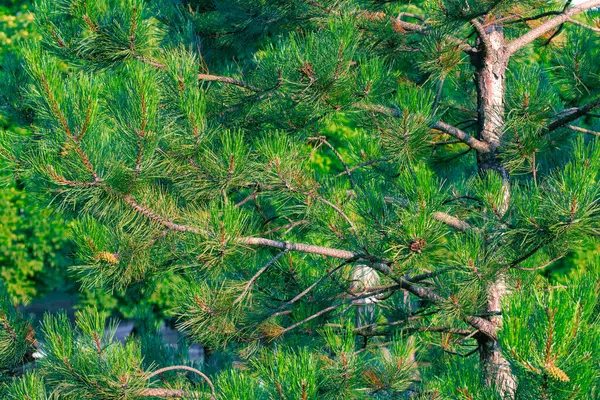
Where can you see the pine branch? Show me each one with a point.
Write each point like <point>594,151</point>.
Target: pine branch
<point>308,289</point>
<point>329,309</point>
<point>487,44</point>
<point>185,368</point>
<point>65,125</point>
<point>470,141</point>
<point>365,164</point>
<point>592,28</point>
<point>167,393</point>
<point>287,227</point>
<point>583,130</point>
<point>453,131</point>
<point>323,140</point>
<point>451,221</point>
<point>540,30</point>
<point>158,218</point>
<point>205,77</point>
<point>541,266</point>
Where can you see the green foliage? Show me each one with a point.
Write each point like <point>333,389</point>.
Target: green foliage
<point>314,202</point>
<point>17,339</point>
<point>34,246</point>
<point>550,336</point>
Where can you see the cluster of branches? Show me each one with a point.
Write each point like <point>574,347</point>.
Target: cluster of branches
<point>170,159</point>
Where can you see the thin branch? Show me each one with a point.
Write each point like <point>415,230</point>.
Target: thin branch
<point>185,368</point>
<point>593,28</point>
<point>583,130</point>
<point>438,95</point>
<point>540,30</point>
<point>470,353</point>
<point>339,156</point>
<point>288,227</point>
<point>301,247</point>
<point>308,289</point>
<point>65,125</point>
<point>365,164</point>
<point>166,393</point>
<point>339,211</point>
<point>257,275</point>
<point>328,309</point>
<point>429,275</point>
<point>541,266</point>
<point>464,137</point>
<point>150,214</point>
<point>226,79</point>
<point>410,15</point>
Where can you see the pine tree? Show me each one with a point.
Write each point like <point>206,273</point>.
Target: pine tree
<point>353,197</point>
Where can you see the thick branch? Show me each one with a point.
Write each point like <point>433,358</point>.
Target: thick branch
<point>452,221</point>
<point>540,30</point>
<point>481,33</point>
<point>464,137</point>
<point>453,131</point>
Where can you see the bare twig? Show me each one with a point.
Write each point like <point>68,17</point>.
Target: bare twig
<point>583,130</point>
<point>541,266</point>
<point>576,22</point>
<point>257,275</point>
<point>185,368</point>
<point>205,77</point>
<point>339,156</point>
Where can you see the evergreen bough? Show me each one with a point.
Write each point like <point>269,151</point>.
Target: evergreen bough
<point>352,196</point>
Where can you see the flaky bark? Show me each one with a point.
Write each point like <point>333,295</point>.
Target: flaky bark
<point>490,64</point>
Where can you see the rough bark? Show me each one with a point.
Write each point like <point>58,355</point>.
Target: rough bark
<point>490,65</point>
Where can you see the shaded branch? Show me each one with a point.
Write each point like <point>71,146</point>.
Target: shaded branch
<point>593,28</point>
<point>571,114</point>
<point>257,275</point>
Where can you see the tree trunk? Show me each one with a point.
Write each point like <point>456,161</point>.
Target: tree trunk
<point>491,63</point>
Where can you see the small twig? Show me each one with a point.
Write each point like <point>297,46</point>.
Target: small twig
<point>186,368</point>
<point>288,227</point>
<point>257,275</point>
<point>593,28</point>
<point>311,287</point>
<point>583,130</point>
<point>365,164</point>
<point>541,266</point>
<point>339,210</point>
<point>204,77</point>
<point>339,156</point>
